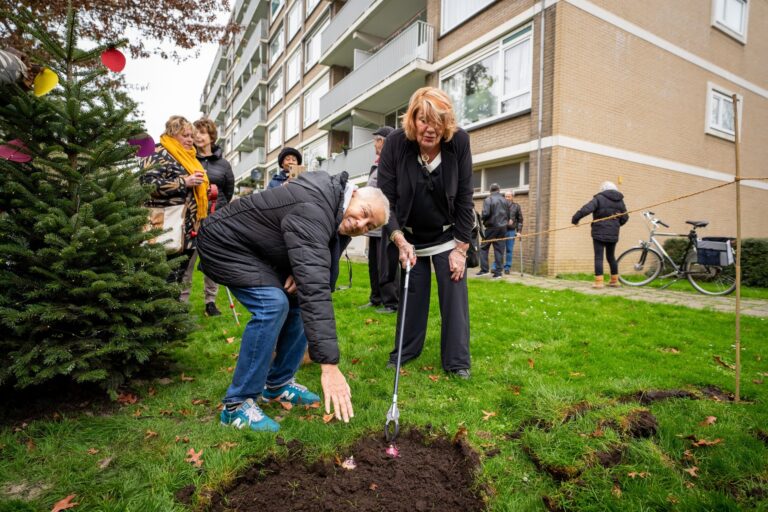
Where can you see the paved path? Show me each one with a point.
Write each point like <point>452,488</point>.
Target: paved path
<point>751,307</point>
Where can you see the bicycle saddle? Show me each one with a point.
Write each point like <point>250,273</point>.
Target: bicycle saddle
<point>698,223</point>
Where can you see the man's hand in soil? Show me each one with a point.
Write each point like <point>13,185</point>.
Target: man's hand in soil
<point>336,391</point>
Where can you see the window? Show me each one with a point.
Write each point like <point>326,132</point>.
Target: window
<point>720,112</point>
<point>275,89</point>
<point>311,4</point>
<point>274,8</point>
<point>319,148</point>
<point>508,176</point>
<point>394,119</point>
<point>312,53</point>
<point>293,20</point>
<point>293,69</point>
<point>276,46</point>
<point>292,120</point>
<point>454,13</point>
<point>730,16</point>
<point>312,100</point>
<point>494,83</point>
<point>274,134</point>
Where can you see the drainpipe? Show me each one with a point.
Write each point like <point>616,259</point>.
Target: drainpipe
<point>537,240</point>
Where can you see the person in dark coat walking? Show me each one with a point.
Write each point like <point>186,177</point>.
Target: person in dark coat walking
<point>425,170</point>
<point>278,252</point>
<point>605,234</point>
<point>287,157</point>
<point>495,218</point>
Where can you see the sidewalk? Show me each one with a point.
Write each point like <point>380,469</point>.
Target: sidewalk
<point>750,307</point>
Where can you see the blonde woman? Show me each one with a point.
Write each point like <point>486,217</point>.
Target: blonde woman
<point>177,177</point>
<point>425,170</point>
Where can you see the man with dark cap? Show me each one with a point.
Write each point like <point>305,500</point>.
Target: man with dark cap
<point>287,157</point>
<point>495,217</point>
<point>382,270</point>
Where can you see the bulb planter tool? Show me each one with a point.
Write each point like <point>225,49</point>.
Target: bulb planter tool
<point>392,426</point>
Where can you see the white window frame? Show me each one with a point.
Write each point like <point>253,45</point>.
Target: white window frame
<point>453,4</point>
<point>273,14</point>
<point>313,150</point>
<point>291,30</point>
<point>277,80</point>
<point>516,37</point>
<point>275,55</point>
<point>315,36</point>
<point>522,186</point>
<point>719,23</point>
<point>295,56</point>
<point>276,125</point>
<point>312,93</point>
<point>714,90</point>
<point>289,112</point>
<point>311,4</point>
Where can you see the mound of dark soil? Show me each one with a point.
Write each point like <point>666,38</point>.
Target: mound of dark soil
<point>429,474</point>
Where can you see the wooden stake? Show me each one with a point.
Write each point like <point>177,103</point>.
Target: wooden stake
<point>737,143</point>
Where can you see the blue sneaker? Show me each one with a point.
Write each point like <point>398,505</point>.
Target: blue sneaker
<point>249,414</point>
<point>293,393</point>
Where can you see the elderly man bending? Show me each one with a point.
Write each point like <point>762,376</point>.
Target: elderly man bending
<point>278,252</point>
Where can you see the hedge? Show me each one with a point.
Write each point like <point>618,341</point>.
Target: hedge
<point>754,259</point>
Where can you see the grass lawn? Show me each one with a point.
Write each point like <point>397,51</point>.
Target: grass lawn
<point>680,286</point>
<point>552,380</point>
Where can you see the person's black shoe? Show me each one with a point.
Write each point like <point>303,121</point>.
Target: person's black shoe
<point>462,373</point>
<point>369,305</point>
<point>482,273</point>
<point>506,271</point>
<point>496,276</point>
<point>211,309</point>
<point>387,310</point>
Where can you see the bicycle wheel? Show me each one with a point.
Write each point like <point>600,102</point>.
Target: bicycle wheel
<point>639,266</point>
<point>710,279</point>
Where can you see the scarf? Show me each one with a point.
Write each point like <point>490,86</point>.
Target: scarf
<point>188,159</point>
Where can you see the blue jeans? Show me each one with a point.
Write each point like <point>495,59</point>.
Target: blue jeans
<point>274,326</point>
<point>510,247</point>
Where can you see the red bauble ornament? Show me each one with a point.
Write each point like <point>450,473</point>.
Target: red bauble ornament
<point>113,59</point>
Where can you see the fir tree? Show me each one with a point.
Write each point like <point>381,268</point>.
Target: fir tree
<point>81,295</point>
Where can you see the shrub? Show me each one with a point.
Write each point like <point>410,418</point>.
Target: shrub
<point>754,259</point>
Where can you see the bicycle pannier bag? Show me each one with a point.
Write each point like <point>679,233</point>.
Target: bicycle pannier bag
<point>714,252</point>
<point>171,220</point>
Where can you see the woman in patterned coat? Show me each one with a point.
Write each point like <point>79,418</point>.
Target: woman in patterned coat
<point>178,177</point>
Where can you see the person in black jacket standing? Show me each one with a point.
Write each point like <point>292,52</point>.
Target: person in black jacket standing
<point>605,234</point>
<point>495,218</point>
<point>425,170</point>
<point>278,252</point>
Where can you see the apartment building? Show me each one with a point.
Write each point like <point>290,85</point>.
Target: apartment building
<point>557,96</point>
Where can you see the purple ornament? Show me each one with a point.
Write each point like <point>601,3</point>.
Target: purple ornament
<point>14,151</point>
<point>145,143</point>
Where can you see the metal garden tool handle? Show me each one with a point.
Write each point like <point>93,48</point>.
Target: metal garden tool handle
<point>392,426</point>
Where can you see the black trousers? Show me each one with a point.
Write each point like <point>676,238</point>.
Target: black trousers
<point>177,274</point>
<point>610,255</point>
<point>382,293</point>
<point>454,313</point>
<point>498,249</point>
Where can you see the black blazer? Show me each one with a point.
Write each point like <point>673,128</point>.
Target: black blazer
<point>399,168</point>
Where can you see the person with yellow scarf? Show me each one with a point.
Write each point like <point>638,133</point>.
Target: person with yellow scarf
<point>177,177</point>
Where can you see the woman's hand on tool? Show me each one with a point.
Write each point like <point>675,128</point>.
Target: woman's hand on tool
<point>336,391</point>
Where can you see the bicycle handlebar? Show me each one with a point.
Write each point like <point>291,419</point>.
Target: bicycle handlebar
<point>650,216</point>
<point>665,225</point>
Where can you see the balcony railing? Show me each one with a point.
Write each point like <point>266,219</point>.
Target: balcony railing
<point>247,17</point>
<point>415,42</point>
<point>356,162</point>
<point>259,74</point>
<point>257,117</point>
<point>254,159</point>
<point>342,21</point>
<point>259,33</point>
<point>214,87</point>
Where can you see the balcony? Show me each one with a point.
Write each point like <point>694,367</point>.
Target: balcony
<point>362,24</point>
<point>385,80</point>
<point>246,19</point>
<point>254,42</point>
<point>217,112</point>
<point>252,160</point>
<point>214,89</point>
<point>356,162</point>
<point>258,76</point>
<point>251,130</point>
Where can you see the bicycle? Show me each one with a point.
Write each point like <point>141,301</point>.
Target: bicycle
<point>644,264</point>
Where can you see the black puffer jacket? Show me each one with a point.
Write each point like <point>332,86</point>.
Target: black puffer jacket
<point>263,238</point>
<point>604,204</point>
<point>220,174</point>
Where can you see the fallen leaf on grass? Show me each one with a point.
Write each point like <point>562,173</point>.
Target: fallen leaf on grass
<point>356,360</point>
<point>194,457</point>
<point>573,374</point>
<point>127,398</point>
<point>352,376</point>
<point>690,485</point>
<point>460,434</point>
<point>482,434</point>
<point>757,381</point>
<point>230,369</point>
<point>164,381</point>
<point>531,363</point>
<point>670,350</point>
<point>166,412</point>
<point>184,439</point>
<point>704,442</point>
<point>434,378</point>
<point>404,372</point>
<point>92,451</point>
<point>709,420</point>
<point>597,433</point>
<point>616,491</point>
<point>488,415</point>
<point>369,321</point>
<point>286,405</point>
<point>235,355</point>
<point>515,390</point>
<point>137,412</point>
<point>225,446</point>
<point>327,418</point>
<point>688,455</point>
<point>763,374</point>
<point>151,391</point>
<point>314,405</point>
<point>427,368</point>
<point>149,434</point>
<point>64,504</point>
<point>103,463</point>
<point>30,444</point>
<point>185,378</point>
<point>185,412</point>
<point>672,499</point>
<point>692,471</point>
<point>201,401</point>
<point>231,339</point>
<point>719,360</point>
<point>636,474</point>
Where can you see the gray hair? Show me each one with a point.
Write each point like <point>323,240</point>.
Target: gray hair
<point>607,185</point>
<point>495,187</point>
<point>376,198</point>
